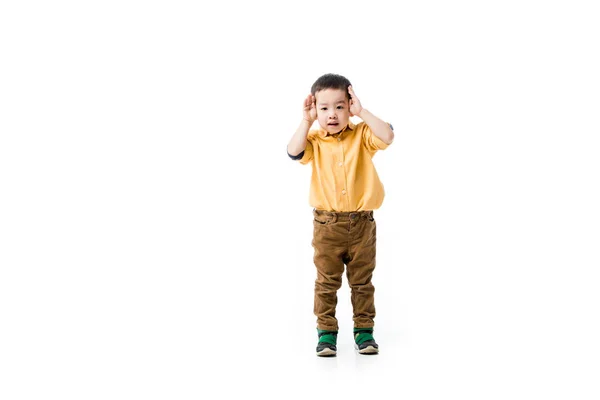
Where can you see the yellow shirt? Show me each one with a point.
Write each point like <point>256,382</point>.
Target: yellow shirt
<point>343,175</point>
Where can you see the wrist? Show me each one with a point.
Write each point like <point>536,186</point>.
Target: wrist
<point>362,113</point>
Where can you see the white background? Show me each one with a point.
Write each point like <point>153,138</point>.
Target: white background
<point>155,237</point>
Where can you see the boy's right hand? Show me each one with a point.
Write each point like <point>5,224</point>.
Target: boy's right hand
<point>310,109</point>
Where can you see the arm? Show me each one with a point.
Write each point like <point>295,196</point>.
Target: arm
<point>298,142</point>
<point>380,128</point>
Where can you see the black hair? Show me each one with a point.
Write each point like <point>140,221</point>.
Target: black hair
<point>331,81</point>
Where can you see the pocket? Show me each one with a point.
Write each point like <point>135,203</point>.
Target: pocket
<point>320,221</point>
<point>319,218</point>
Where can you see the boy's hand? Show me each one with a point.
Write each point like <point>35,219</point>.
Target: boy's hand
<point>355,106</point>
<point>310,109</point>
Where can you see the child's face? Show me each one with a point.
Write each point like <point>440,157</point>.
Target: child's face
<point>332,109</point>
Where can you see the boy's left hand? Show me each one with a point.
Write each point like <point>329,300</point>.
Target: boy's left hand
<point>355,106</point>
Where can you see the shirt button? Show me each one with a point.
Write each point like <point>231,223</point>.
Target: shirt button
<point>344,191</point>
<point>339,139</point>
<point>340,164</point>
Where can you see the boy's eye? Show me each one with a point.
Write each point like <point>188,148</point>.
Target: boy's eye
<point>340,107</point>
<point>324,108</point>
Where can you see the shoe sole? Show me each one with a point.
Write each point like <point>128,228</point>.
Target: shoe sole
<point>367,350</point>
<point>326,352</point>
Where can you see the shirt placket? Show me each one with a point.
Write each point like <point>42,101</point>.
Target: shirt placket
<point>340,174</point>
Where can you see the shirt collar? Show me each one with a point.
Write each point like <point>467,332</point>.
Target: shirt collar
<point>324,133</point>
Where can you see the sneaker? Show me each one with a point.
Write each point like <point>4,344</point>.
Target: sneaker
<point>327,341</point>
<point>364,341</point>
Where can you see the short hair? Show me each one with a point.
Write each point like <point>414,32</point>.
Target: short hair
<point>331,81</point>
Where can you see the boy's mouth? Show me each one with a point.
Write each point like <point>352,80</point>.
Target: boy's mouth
<point>333,124</point>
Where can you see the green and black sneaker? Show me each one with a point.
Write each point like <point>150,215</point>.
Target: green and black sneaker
<point>364,341</point>
<point>327,341</point>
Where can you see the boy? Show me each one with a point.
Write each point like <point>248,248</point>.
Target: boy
<point>345,189</point>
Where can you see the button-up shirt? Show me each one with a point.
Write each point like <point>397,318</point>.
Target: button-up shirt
<point>343,175</point>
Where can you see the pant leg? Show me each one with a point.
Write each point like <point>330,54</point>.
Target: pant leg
<point>329,244</point>
<point>360,267</point>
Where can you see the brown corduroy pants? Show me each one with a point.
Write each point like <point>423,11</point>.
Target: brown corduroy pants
<point>344,238</point>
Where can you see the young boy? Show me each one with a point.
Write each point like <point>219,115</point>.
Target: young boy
<point>345,189</point>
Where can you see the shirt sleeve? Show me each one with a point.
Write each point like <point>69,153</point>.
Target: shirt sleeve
<point>372,142</point>
<point>308,154</point>
<point>305,156</point>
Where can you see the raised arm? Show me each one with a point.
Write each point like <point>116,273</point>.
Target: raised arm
<point>297,143</point>
<point>380,128</point>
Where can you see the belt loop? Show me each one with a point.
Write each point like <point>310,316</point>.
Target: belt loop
<point>334,217</point>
